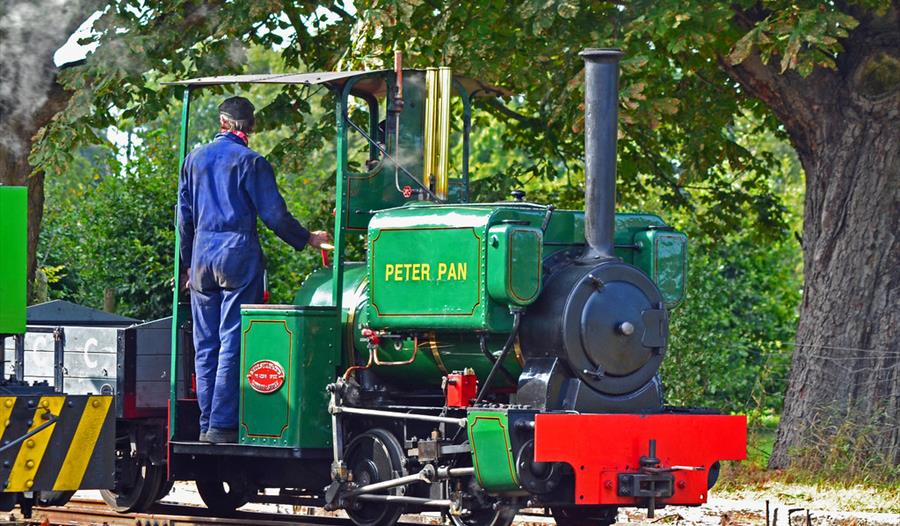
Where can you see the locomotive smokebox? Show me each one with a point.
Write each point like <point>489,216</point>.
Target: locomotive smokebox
<point>601,101</point>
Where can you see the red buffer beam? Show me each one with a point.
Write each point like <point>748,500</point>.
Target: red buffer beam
<point>605,452</point>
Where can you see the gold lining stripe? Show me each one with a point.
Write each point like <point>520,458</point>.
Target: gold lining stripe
<point>436,353</point>
<point>21,478</point>
<point>83,442</point>
<point>359,295</point>
<point>518,350</point>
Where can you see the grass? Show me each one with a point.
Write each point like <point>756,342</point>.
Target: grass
<point>751,479</point>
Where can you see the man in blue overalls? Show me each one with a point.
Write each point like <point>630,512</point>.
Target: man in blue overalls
<point>224,185</point>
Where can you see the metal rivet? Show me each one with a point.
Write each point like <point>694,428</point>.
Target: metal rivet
<point>45,403</point>
<point>29,463</point>
<point>29,443</point>
<point>8,403</point>
<point>29,483</point>
<point>95,403</point>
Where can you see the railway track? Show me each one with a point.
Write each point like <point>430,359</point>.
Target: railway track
<point>84,512</point>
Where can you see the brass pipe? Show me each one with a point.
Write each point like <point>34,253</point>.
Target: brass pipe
<point>442,171</point>
<point>436,172</point>
<point>351,370</point>
<point>400,362</point>
<point>429,131</point>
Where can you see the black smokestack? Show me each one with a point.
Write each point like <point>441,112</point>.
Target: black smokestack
<point>601,102</point>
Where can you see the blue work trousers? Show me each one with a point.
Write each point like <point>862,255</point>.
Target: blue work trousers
<point>217,348</point>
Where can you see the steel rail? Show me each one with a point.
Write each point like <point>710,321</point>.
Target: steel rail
<point>80,512</point>
<point>95,512</point>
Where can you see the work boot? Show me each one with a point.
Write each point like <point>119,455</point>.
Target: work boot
<point>221,436</point>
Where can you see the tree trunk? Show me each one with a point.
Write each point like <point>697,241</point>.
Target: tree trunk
<point>17,171</point>
<point>32,31</point>
<point>843,399</point>
<point>845,379</point>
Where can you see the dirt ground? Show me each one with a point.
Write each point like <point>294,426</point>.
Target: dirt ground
<point>834,506</point>
<point>853,506</point>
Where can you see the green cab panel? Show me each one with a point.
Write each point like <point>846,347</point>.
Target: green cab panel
<point>662,254</point>
<point>514,263</point>
<point>376,188</point>
<point>492,454</point>
<point>13,258</point>
<point>289,355</point>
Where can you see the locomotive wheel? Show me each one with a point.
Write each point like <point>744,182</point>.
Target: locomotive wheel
<point>138,480</point>
<point>224,496</point>
<point>375,456</point>
<point>489,517</point>
<point>137,494</point>
<point>54,498</point>
<point>585,515</point>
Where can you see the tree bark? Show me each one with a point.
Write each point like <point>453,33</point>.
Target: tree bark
<point>844,387</point>
<point>17,171</point>
<point>30,96</point>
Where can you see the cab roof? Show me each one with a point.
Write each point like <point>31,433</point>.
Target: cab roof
<point>374,85</point>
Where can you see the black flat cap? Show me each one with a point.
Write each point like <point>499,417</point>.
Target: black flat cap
<point>237,108</point>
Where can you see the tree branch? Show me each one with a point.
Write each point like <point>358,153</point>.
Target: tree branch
<point>340,11</point>
<point>504,110</point>
<point>788,95</point>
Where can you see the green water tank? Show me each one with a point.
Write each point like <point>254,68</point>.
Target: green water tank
<point>289,354</point>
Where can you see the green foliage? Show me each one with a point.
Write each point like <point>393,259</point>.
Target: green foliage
<point>678,101</point>
<point>115,231</point>
<point>731,342</point>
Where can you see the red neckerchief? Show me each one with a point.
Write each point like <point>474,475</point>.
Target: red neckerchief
<point>240,135</point>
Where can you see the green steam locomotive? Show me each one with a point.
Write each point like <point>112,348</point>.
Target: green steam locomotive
<point>485,357</point>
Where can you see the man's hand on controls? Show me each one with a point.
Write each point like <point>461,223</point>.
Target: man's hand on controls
<point>318,237</point>
<point>186,279</point>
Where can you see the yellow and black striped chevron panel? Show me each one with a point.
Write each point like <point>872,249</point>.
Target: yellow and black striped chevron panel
<point>72,445</point>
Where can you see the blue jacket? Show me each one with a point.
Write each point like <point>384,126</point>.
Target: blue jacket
<point>223,186</point>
